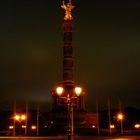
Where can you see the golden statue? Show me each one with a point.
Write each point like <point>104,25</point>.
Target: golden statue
<point>67,7</point>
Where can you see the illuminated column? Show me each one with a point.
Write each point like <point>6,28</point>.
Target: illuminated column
<point>68,77</point>
<point>67,52</point>
<point>67,38</point>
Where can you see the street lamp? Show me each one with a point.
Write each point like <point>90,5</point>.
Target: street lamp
<point>137,126</point>
<point>11,127</point>
<point>70,95</point>
<point>19,118</point>
<point>120,117</point>
<point>112,126</point>
<point>23,117</point>
<point>78,91</point>
<point>33,127</point>
<point>59,91</point>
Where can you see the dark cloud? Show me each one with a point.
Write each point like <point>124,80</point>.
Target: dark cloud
<point>106,49</point>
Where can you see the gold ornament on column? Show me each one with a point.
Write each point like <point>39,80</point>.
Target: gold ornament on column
<point>68,8</point>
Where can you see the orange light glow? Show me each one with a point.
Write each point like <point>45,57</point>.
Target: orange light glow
<point>17,117</point>
<point>112,126</point>
<point>23,117</point>
<point>137,126</point>
<point>11,127</point>
<point>23,126</point>
<point>59,91</point>
<point>33,127</point>
<point>93,126</point>
<point>120,116</point>
<point>78,91</point>
<point>20,117</point>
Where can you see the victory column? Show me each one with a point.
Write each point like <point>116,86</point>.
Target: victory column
<point>68,104</point>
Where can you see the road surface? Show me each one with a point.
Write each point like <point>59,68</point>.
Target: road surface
<point>76,138</point>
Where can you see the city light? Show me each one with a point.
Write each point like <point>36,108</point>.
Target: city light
<point>93,126</point>
<point>21,117</point>
<point>11,127</point>
<point>23,126</point>
<point>33,127</point>
<point>72,92</point>
<point>59,91</point>
<point>120,116</point>
<point>78,91</point>
<point>137,126</point>
<point>17,117</point>
<point>112,126</point>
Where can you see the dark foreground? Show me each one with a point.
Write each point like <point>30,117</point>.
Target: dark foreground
<point>76,138</point>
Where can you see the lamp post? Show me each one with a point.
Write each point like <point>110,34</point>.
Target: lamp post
<point>77,91</point>
<point>120,117</point>
<point>19,118</point>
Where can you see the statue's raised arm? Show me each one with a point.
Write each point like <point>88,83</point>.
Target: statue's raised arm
<point>63,5</point>
<point>67,7</point>
<point>71,4</point>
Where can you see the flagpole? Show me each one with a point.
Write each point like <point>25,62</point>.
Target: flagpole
<point>120,109</point>
<point>97,111</point>
<point>109,116</point>
<point>26,121</point>
<point>14,122</point>
<point>37,119</point>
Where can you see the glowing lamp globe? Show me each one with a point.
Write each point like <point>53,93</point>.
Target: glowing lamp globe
<point>59,91</point>
<point>23,117</point>
<point>120,116</point>
<point>78,91</point>
<point>17,117</point>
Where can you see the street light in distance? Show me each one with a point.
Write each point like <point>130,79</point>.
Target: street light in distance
<point>120,117</point>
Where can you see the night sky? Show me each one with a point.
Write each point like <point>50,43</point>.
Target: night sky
<point>106,42</point>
